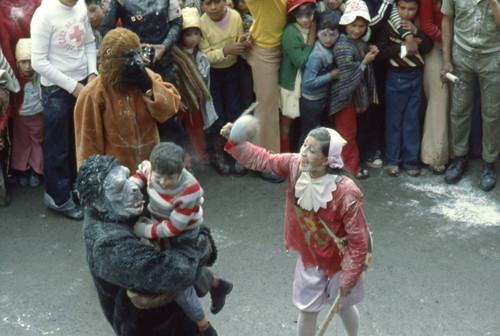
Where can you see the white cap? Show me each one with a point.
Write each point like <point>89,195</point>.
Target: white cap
<point>353,9</point>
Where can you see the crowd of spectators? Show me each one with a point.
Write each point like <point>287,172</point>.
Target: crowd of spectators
<point>408,83</point>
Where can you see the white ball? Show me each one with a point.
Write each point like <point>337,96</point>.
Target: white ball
<point>245,128</point>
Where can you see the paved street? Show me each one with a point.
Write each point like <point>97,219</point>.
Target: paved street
<point>435,268</point>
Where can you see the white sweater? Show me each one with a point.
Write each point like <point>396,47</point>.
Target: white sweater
<point>63,51</point>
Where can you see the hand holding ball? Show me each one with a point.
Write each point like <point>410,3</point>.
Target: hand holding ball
<point>245,128</point>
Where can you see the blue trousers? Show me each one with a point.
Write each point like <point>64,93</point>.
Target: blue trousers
<point>225,91</point>
<point>403,97</point>
<point>59,164</point>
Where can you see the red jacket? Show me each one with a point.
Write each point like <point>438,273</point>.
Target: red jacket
<point>304,230</point>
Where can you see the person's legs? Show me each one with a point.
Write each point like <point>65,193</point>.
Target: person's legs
<point>462,100</point>
<point>191,304</point>
<point>396,98</point>
<point>410,126</point>
<point>350,319</point>
<point>58,146</point>
<point>306,324</point>
<point>312,114</point>
<point>345,124</point>
<point>231,93</point>
<point>215,142</point>
<point>489,80</point>
<point>460,113</point>
<point>21,144</point>
<point>435,146</point>
<point>265,63</point>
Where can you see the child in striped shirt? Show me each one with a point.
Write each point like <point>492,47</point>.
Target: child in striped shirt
<point>175,199</point>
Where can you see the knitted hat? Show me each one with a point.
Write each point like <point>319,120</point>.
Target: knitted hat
<point>191,18</point>
<point>354,9</point>
<point>23,49</point>
<point>292,4</point>
<point>90,180</point>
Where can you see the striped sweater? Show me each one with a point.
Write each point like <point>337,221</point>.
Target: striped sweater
<point>355,80</point>
<point>389,44</point>
<point>174,210</point>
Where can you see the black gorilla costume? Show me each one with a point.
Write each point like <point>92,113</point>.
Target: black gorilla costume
<point>119,261</point>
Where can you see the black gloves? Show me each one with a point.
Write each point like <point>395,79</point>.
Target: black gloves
<point>135,72</point>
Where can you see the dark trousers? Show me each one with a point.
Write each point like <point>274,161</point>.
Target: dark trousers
<point>59,167</point>
<point>403,99</point>
<point>225,91</point>
<point>312,115</point>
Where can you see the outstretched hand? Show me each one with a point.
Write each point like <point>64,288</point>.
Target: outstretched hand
<point>226,130</point>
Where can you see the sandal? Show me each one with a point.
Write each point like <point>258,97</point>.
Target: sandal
<point>392,169</point>
<point>363,174</point>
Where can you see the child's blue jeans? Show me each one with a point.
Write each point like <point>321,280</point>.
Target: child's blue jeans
<point>403,98</point>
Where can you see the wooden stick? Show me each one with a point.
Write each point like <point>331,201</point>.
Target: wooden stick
<point>331,313</point>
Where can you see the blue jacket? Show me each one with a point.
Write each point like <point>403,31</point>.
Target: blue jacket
<point>316,77</point>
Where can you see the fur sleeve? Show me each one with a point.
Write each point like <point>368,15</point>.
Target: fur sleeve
<point>166,99</point>
<point>117,256</point>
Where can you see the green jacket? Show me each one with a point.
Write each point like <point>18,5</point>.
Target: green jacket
<point>295,55</point>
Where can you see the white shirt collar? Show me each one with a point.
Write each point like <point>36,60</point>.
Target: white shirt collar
<point>315,193</point>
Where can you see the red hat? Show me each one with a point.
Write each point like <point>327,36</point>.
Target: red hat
<point>292,4</point>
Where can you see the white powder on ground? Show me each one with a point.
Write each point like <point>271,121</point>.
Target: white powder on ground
<point>463,204</point>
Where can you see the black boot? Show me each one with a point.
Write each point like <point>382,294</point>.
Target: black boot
<point>488,177</point>
<point>208,332</point>
<point>217,158</point>
<point>219,295</point>
<point>456,169</point>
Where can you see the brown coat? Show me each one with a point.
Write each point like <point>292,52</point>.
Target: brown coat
<point>122,125</point>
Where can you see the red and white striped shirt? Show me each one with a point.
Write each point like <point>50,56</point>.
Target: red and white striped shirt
<point>175,210</point>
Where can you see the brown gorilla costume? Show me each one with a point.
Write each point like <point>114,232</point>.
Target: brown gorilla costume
<point>113,116</point>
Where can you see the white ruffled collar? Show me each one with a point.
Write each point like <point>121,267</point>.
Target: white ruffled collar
<point>315,193</point>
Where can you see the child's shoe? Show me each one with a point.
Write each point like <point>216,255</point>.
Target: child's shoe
<point>392,169</point>
<point>34,180</point>
<point>208,332</point>
<point>363,174</point>
<point>219,295</point>
<point>24,179</point>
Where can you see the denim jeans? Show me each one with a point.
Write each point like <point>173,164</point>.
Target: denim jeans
<point>225,91</point>
<point>59,167</point>
<point>403,99</point>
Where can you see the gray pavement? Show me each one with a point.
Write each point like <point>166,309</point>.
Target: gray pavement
<point>435,268</point>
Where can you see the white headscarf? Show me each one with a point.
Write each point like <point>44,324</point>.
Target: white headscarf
<point>336,144</point>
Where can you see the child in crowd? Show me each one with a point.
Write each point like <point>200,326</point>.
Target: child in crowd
<point>355,90</point>
<point>318,74</point>
<point>247,95</point>
<point>96,14</point>
<point>327,6</point>
<point>223,41</point>
<point>175,199</point>
<point>192,68</point>
<point>403,91</point>
<point>27,150</point>
<point>297,43</point>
